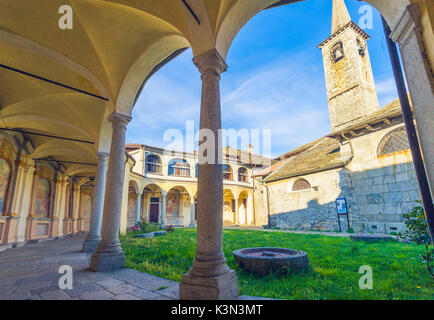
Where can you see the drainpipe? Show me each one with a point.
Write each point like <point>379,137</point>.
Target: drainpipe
<point>268,205</point>
<point>253,200</point>
<point>411,131</point>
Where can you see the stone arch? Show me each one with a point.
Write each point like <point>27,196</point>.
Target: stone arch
<point>229,207</point>
<point>178,200</point>
<point>150,61</point>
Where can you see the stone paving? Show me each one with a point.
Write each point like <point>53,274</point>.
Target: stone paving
<point>31,272</point>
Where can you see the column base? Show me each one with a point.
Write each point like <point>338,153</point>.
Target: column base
<point>223,287</point>
<point>105,261</point>
<point>90,244</point>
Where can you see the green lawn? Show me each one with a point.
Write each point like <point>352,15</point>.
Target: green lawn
<point>334,265</point>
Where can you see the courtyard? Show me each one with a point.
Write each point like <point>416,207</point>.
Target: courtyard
<point>77,174</point>
<point>154,268</point>
<point>334,264</point>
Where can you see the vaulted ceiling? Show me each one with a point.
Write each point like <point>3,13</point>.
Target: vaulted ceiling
<point>66,82</point>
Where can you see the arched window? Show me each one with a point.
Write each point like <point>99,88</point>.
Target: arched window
<point>243,176</point>
<point>394,141</point>
<point>361,48</point>
<point>5,177</point>
<point>153,164</point>
<point>301,184</point>
<point>179,167</point>
<point>42,198</point>
<point>337,52</point>
<point>227,172</point>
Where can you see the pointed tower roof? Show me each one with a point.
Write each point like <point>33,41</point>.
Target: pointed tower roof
<point>340,15</point>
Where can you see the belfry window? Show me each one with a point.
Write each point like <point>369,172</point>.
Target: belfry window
<point>227,172</point>
<point>179,167</point>
<point>301,184</point>
<point>337,52</point>
<point>153,164</point>
<point>394,141</point>
<point>243,176</point>
<point>361,48</point>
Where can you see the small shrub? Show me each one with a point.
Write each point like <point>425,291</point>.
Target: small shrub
<point>418,232</point>
<point>169,228</point>
<point>135,229</point>
<point>147,227</point>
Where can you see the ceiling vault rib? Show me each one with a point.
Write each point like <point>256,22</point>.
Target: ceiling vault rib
<point>191,11</point>
<point>52,82</point>
<point>46,135</point>
<point>67,162</point>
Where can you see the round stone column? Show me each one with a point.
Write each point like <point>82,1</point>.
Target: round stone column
<point>192,223</point>
<point>94,236</point>
<point>138,206</point>
<point>109,254</point>
<point>210,277</point>
<point>163,209</point>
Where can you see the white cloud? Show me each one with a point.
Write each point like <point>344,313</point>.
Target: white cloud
<point>287,96</point>
<point>386,91</point>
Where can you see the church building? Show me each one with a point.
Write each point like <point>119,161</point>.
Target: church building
<point>363,169</point>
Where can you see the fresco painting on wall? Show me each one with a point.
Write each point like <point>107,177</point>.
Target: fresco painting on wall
<point>42,207</point>
<point>86,206</point>
<point>5,173</point>
<point>173,204</point>
<point>132,206</point>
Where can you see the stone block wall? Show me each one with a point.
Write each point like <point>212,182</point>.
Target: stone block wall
<point>315,208</point>
<point>383,195</point>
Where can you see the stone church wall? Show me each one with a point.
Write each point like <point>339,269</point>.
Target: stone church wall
<point>315,208</point>
<point>385,186</point>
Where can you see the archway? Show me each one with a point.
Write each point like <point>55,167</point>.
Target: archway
<point>178,206</point>
<point>229,208</point>
<point>152,197</point>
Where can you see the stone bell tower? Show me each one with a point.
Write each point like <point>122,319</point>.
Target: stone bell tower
<point>350,83</point>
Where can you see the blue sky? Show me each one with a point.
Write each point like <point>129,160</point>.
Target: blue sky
<point>275,80</point>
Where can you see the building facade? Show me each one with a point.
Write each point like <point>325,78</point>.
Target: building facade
<point>365,161</point>
<point>162,187</point>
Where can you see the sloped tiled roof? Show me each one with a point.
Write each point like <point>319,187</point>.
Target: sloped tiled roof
<point>390,110</point>
<point>316,156</point>
<point>324,153</point>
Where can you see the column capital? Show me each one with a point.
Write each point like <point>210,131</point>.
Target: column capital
<point>119,119</point>
<point>210,61</point>
<point>102,155</point>
<point>409,20</point>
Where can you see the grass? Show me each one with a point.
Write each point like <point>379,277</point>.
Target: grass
<point>333,273</point>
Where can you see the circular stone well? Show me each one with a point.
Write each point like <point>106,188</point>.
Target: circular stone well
<point>262,261</point>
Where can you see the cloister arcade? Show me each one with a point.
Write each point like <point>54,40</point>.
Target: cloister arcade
<point>66,98</point>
